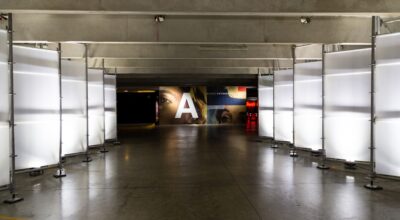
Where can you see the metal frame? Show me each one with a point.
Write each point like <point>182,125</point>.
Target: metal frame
<point>104,150</point>
<point>116,142</point>
<point>87,156</point>
<point>376,22</point>
<point>273,107</point>
<point>322,165</point>
<point>293,151</point>
<point>14,196</point>
<point>60,171</point>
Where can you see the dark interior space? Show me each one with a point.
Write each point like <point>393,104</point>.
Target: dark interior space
<point>137,107</point>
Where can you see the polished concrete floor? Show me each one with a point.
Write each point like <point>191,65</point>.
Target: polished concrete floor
<point>191,172</point>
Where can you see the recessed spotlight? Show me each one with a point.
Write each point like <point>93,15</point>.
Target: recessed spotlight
<point>305,20</point>
<point>159,18</point>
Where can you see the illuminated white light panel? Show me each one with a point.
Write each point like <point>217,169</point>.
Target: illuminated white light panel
<point>110,92</point>
<point>37,107</point>
<point>283,105</point>
<point>4,111</point>
<point>96,107</point>
<point>308,105</point>
<point>347,105</point>
<point>74,134</point>
<point>387,105</point>
<point>266,105</point>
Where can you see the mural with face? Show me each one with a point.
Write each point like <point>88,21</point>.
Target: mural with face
<point>183,105</point>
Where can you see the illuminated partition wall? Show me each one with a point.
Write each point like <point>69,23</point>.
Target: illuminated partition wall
<point>266,106</point>
<point>37,107</point>
<point>387,104</point>
<point>308,105</point>
<point>283,89</point>
<point>74,133</point>
<point>96,107</point>
<point>4,111</point>
<point>110,95</point>
<point>347,104</point>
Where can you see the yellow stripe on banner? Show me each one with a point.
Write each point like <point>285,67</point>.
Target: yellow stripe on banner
<point>3,217</point>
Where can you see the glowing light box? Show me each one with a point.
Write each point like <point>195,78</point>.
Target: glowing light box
<point>266,106</point>
<point>308,105</point>
<point>4,111</point>
<point>283,88</point>
<point>74,133</point>
<point>348,104</point>
<point>96,107</point>
<point>387,105</point>
<point>37,107</point>
<point>110,95</point>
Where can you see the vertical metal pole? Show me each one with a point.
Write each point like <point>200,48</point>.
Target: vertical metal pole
<point>87,157</point>
<point>60,172</point>
<point>273,104</point>
<point>376,24</point>
<point>258,90</point>
<point>116,142</point>
<point>14,198</point>
<point>104,150</point>
<point>322,164</point>
<point>293,152</point>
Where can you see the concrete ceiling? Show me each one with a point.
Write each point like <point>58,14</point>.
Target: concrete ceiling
<point>204,38</point>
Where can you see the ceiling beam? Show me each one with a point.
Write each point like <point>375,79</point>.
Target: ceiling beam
<point>188,30</point>
<point>201,72</point>
<point>178,63</point>
<point>193,7</point>
<point>180,51</point>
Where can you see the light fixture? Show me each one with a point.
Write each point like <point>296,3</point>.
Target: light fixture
<point>159,18</point>
<point>305,20</point>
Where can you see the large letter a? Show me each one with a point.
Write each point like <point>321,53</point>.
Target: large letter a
<point>181,108</point>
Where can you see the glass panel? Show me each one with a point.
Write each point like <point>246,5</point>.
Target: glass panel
<point>4,111</point>
<point>387,102</point>
<point>74,133</point>
<point>308,105</point>
<point>96,107</point>
<point>37,107</point>
<point>347,105</point>
<point>266,105</point>
<point>110,106</point>
<point>284,105</point>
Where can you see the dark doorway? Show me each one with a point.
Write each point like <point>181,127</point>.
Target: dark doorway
<point>136,108</point>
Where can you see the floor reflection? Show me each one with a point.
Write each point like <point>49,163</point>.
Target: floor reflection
<point>200,172</point>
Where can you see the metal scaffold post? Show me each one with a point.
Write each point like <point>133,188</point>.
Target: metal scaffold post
<point>87,156</point>
<point>293,150</point>
<point>322,165</point>
<point>376,23</point>
<point>60,171</point>
<point>14,196</point>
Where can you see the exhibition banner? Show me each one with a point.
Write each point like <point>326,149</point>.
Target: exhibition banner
<point>183,105</point>
<point>226,105</point>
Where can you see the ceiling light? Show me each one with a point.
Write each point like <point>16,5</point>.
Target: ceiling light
<point>305,20</point>
<point>159,18</point>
